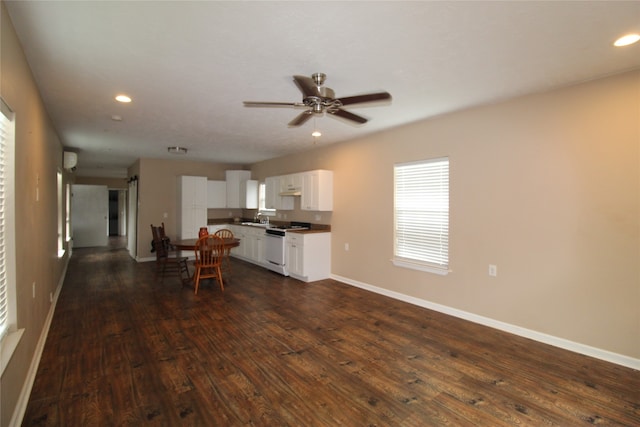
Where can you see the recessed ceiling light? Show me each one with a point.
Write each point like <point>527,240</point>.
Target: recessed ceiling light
<point>316,133</point>
<point>627,40</point>
<point>123,98</point>
<point>177,150</point>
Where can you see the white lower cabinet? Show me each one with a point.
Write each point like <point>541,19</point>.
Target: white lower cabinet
<point>309,255</point>
<point>251,243</point>
<point>212,228</point>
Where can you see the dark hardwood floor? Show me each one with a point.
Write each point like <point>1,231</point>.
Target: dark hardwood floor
<point>125,350</point>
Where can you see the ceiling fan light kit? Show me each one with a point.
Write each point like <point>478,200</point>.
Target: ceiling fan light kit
<point>319,99</point>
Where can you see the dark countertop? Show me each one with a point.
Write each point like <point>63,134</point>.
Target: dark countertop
<point>315,228</point>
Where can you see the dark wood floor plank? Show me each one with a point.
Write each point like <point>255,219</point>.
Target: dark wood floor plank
<point>124,349</point>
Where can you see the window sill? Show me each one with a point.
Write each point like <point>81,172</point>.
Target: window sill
<point>414,265</point>
<point>8,346</point>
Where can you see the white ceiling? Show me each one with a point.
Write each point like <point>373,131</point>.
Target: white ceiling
<point>189,65</point>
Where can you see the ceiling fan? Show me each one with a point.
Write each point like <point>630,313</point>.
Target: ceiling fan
<point>319,99</point>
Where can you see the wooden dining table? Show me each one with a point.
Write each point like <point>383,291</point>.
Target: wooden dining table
<point>190,244</point>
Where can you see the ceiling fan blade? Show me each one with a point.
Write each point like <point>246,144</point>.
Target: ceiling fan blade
<point>301,118</point>
<point>272,104</point>
<point>369,97</point>
<point>348,116</point>
<point>307,86</point>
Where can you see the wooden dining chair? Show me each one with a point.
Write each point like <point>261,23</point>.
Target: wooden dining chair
<point>167,263</point>
<point>225,233</point>
<point>209,254</point>
<point>163,236</point>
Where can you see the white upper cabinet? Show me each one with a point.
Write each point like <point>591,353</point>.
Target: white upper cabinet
<point>291,183</point>
<point>249,194</point>
<point>317,191</point>
<point>216,194</point>
<point>272,197</point>
<point>242,191</point>
<point>315,188</point>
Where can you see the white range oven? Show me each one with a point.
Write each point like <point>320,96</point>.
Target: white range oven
<point>275,250</point>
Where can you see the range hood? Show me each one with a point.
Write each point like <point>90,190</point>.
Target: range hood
<point>291,193</point>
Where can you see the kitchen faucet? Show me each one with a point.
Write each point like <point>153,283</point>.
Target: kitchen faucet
<point>262,219</point>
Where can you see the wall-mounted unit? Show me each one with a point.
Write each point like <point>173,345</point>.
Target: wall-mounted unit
<point>70,160</point>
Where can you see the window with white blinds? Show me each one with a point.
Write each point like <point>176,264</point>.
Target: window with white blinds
<point>6,203</point>
<point>421,215</point>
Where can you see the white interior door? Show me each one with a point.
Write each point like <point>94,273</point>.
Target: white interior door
<point>90,213</point>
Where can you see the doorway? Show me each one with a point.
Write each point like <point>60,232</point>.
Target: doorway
<point>114,213</point>
<point>89,212</point>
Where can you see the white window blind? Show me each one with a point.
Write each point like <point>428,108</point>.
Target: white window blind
<point>4,297</point>
<point>422,215</point>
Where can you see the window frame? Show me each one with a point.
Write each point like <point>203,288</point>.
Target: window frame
<point>61,213</point>
<point>415,218</point>
<point>9,334</point>
<point>262,197</point>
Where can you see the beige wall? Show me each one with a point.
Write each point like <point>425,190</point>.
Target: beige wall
<point>157,194</point>
<point>547,187</point>
<point>111,183</point>
<point>38,156</point>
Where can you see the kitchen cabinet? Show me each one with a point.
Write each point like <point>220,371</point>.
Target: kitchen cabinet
<point>212,228</point>
<point>256,247</point>
<point>273,199</point>
<point>317,191</point>
<point>249,194</point>
<point>242,191</point>
<point>308,255</point>
<point>251,243</point>
<point>216,194</point>
<point>192,206</point>
<point>291,183</point>
<point>238,233</point>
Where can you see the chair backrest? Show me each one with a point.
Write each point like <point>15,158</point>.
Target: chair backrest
<point>160,244</point>
<point>163,235</point>
<point>209,250</point>
<point>225,233</point>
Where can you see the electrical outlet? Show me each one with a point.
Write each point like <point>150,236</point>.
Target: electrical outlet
<point>346,247</point>
<point>33,289</point>
<point>493,270</point>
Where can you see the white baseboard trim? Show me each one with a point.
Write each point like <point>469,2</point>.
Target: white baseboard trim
<point>575,347</point>
<point>23,400</point>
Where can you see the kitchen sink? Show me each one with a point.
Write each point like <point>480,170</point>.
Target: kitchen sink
<point>254,224</point>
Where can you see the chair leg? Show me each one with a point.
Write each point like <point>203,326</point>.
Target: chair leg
<point>219,274</point>
<point>196,279</point>
<point>227,260</point>
<point>184,268</point>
